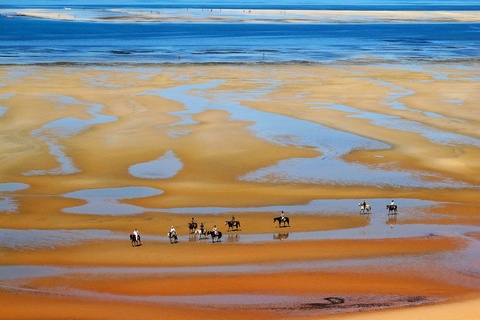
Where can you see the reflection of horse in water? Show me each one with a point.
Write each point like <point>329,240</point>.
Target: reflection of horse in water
<point>202,233</point>
<point>233,237</point>
<point>135,242</point>
<point>280,236</point>
<point>214,236</point>
<point>285,220</point>
<point>392,218</point>
<point>173,237</point>
<point>365,209</point>
<point>232,224</point>
<point>192,226</point>
<point>392,208</point>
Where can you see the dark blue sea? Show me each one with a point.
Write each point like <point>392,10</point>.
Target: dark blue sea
<point>30,40</point>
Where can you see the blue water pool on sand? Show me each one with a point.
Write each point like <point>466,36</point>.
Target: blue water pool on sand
<point>333,144</point>
<point>52,133</point>
<point>107,200</point>
<point>163,167</point>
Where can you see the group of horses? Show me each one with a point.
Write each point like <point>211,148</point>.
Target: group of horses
<point>392,208</point>
<point>235,225</point>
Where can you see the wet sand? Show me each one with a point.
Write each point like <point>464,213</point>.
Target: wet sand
<point>89,153</point>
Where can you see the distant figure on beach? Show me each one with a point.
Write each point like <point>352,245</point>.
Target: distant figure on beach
<point>135,233</point>
<point>215,231</point>
<point>364,203</point>
<point>282,215</point>
<point>173,231</point>
<point>393,203</point>
<point>233,219</point>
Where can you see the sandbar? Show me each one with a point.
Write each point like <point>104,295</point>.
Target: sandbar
<point>249,140</point>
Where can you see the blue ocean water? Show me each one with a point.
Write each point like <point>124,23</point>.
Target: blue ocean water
<point>27,40</point>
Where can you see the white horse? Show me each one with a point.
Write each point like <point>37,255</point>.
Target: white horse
<point>202,235</point>
<point>366,209</point>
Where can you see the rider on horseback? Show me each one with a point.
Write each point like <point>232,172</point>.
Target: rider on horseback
<point>364,204</point>
<point>202,227</point>
<point>282,216</point>
<point>233,220</point>
<point>393,203</point>
<point>215,232</point>
<point>135,233</point>
<point>173,231</point>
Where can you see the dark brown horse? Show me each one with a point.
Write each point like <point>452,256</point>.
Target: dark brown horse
<point>392,208</point>
<point>135,242</point>
<point>192,226</point>
<point>286,220</point>
<point>232,224</point>
<point>215,236</point>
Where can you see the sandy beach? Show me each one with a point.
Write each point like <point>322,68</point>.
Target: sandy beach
<point>88,153</point>
<point>219,15</point>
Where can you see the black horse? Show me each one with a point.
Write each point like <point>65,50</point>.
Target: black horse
<point>217,236</point>
<point>392,208</point>
<point>286,220</point>
<point>173,237</point>
<point>135,242</point>
<point>192,226</point>
<point>232,224</point>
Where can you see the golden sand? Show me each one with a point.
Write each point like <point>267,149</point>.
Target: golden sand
<point>216,15</point>
<point>215,151</point>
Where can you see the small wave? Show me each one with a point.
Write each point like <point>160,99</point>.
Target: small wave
<point>474,61</point>
<point>219,52</point>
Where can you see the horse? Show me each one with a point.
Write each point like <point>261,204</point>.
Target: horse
<point>135,242</point>
<point>392,208</point>
<point>192,226</point>
<point>173,237</point>
<point>232,224</point>
<point>285,220</point>
<point>365,209</point>
<point>218,235</point>
<point>202,233</point>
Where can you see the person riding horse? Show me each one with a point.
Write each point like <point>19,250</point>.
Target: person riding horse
<point>364,207</point>
<point>192,226</point>
<point>392,207</point>
<point>172,235</point>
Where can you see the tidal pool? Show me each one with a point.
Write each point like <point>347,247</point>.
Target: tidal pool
<point>105,201</point>
<point>283,130</point>
<point>52,132</point>
<point>163,167</point>
<point>7,202</point>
